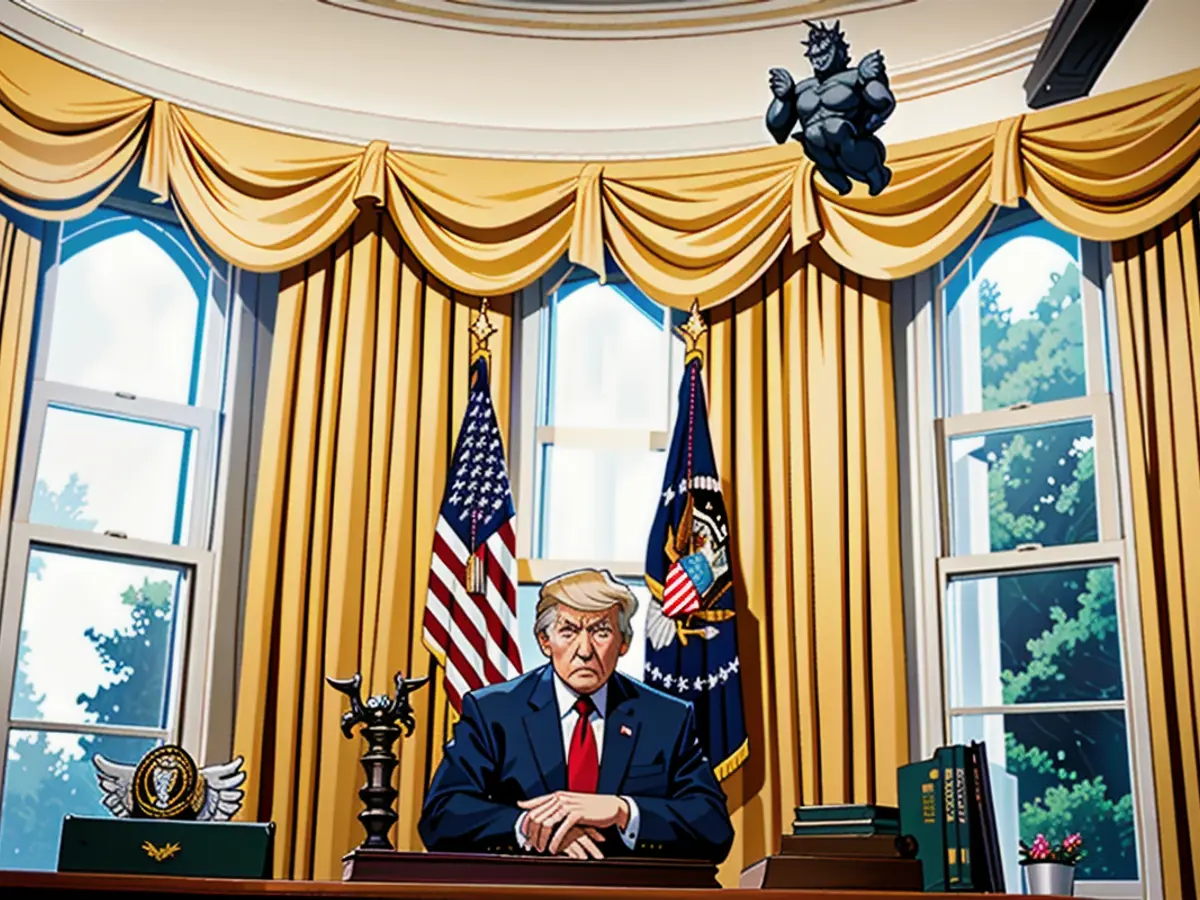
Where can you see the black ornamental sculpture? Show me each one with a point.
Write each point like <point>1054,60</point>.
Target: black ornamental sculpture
<point>381,717</point>
<point>837,112</point>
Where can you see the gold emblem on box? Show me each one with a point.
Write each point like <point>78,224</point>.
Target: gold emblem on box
<point>166,785</point>
<point>160,854</point>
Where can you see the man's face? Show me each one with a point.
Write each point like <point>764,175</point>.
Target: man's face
<point>584,647</point>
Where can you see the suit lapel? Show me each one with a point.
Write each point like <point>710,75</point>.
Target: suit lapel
<point>544,729</point>
<point>621,728</point>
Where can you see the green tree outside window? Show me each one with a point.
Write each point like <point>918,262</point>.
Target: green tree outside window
<point>45,780</point>
<point>1058,629</point>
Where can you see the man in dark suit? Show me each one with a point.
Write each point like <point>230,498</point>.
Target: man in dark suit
<point>574,758</point>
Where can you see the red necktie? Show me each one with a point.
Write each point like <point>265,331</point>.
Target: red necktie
<point>583,759</point>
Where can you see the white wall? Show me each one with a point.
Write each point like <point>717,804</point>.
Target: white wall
<point>320,69</point>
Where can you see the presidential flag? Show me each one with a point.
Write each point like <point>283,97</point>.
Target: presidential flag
<point>471,610</point>
<point>691,625</point>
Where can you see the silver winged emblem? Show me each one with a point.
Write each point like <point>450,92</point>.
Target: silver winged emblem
<point>220,784</point>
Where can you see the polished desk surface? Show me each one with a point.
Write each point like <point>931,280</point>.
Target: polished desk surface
<point>36,884</point>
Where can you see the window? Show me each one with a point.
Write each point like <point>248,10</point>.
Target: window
<point>109,621</point>
<point>599,370</point>
<point>1021,583</point>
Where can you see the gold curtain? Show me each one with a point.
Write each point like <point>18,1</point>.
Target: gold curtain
<point>802,411</point>
<point>1106,168</point>
<point>1157,281</point>
<point>20,250</point>
<point>368,384</point>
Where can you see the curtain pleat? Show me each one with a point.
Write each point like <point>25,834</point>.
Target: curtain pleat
<point>803,421</point>
<point>706,227</point>
<point>368,384</point>
<point>1157,283</point>
<point>20,252</point>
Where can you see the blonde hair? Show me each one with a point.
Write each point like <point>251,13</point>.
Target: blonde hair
<point>586,590</point>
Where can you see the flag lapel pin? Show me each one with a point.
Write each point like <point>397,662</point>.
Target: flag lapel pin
<point>626,731</point>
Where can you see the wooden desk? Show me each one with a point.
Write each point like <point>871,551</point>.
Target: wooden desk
<point>119,887</point>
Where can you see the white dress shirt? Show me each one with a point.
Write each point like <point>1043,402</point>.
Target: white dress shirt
<point>568,717</point>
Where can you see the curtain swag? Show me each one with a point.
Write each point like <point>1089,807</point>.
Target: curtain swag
<point>1105,168</point>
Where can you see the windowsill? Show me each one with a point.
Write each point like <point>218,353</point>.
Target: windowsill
<point>537,571</point>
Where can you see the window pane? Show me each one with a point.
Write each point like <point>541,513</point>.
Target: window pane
<point>631,664</point>
<point>129,304</point>
<point>1014,321</point>
<point>96,640</point>
<point>1036,637</point>
<point>1030,485</point>
<point>599,504</point>
<point>101,472</point>
<point>48,776</point>
<point>608,361</point>
<point>1072,775</point>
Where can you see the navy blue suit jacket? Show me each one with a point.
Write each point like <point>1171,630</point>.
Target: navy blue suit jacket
<point>508,746</point>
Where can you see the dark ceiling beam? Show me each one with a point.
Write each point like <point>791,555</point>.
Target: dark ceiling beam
<point>1083,38</point>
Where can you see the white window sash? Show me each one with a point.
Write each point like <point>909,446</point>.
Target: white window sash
<point>191,605</point>
<point>533,431</point>
<point>233,373</point>
<point>202,422</point>
<point>918,335</point>
<point>538,570</point>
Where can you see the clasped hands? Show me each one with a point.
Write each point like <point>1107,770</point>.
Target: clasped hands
<point>570,823</point>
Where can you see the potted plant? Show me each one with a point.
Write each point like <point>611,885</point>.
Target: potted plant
<point>1050,869</point>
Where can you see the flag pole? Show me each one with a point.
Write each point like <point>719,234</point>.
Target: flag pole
<point>481,331</point>
<point>692,331</point>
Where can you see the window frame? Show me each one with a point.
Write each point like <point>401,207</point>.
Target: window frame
<point>531,436</point>
<point>225,419</point>
<point>921,368</point>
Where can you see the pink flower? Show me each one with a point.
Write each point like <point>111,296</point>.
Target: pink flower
<point>1041,848</point>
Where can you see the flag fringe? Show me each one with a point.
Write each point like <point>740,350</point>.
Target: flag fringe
<point>731,763</point>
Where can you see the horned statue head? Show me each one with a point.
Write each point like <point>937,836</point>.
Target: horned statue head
<point>826,48</point>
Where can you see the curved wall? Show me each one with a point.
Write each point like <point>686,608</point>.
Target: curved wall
<point>328,68</point>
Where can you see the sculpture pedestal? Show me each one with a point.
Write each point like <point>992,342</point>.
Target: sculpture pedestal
<point>481,868</point>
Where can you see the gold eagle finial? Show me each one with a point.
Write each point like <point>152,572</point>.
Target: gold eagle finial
<point>693,331</point>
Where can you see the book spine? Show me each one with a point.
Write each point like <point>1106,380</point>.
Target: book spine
<point>919,790</point>
<point>962,822</point>
<point>981,861</point>
<point>949,818</point>
<point>848,828</point>
<point>845,813</point>
<point>995,854</point>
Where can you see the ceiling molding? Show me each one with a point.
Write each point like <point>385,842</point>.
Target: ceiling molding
<point>970,65</point>
<point>938,75</point>
<point>611,20</point>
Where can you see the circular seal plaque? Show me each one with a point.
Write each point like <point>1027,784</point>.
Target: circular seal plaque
<point>167,785</point>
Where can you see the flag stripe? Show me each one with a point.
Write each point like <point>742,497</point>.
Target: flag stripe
<point>471,643</point>
<point>471,614</point>
<point>680,594</point>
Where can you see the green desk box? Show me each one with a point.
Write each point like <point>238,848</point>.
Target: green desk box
<point>113,846</point>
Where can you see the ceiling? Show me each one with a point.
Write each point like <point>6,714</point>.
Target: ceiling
<point>562,78</point>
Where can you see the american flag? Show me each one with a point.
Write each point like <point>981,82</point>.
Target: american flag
<point>471,611</point>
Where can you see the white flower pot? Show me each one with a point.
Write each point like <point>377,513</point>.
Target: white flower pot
<point>1049,878</point>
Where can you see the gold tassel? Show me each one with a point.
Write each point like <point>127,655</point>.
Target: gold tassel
<point>474,574</point>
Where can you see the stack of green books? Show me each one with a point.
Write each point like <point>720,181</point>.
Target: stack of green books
<point>846,819</point>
